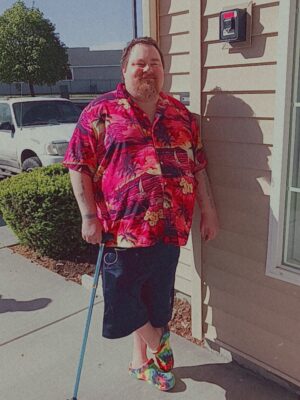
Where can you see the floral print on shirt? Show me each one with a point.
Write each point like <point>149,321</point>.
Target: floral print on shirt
<point>143,173</point>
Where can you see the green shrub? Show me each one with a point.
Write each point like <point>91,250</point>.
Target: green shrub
<point>41,209</point>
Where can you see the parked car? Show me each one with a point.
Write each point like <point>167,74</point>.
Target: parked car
<point>34,132</point>
<point>81,103</point>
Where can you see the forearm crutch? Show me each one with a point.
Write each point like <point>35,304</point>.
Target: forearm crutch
<point>88,320</point>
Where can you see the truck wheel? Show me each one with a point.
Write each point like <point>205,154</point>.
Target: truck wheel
<point>30,163</point>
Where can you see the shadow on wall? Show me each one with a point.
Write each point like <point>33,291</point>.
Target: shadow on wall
<point>12,305</point>
<point>240,175</point>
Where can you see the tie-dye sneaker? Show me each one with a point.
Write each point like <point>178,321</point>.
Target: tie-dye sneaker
<point>152,374</point>
<point>164,354</point>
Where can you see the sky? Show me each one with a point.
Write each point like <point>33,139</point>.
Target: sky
<point>98,24</point>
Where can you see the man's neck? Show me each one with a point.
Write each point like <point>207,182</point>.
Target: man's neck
<point>148,107</point>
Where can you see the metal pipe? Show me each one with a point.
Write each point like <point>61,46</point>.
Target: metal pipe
<point>134,18</point>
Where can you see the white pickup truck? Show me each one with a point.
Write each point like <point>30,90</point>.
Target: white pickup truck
<point>34,132</point>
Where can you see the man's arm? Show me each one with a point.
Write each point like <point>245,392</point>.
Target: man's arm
<point>83,191</point>
<point>209,226</point>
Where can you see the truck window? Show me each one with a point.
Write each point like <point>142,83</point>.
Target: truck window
<point>5,114</point>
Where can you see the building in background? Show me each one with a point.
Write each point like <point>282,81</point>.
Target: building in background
<point>91,72</point>
<point>245,286</point>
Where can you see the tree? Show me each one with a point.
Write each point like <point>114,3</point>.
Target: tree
<point>30,50</point>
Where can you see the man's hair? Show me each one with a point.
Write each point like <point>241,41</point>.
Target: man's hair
<point>140,40</point>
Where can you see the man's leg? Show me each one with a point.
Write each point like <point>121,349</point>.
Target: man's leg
<point>158,295</point>
<point>145,336</point>
<point>139,354</point>
<point>144,368</point>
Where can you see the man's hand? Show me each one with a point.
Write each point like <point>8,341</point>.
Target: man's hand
<point>91,229</point>
<point>209,225</point>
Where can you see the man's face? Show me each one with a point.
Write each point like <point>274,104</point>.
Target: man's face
<point>144,73</point>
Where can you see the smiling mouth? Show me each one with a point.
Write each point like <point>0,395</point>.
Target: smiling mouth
<point>148,77</point>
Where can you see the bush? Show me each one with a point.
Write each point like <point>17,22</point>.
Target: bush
<point>41,209</point>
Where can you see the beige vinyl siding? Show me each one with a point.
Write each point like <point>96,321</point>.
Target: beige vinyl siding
<point>174,39</point>
<point>174,23</point>
<point>175,44</point>
<point>221,129</point>
<point>215,6</point>
<point>184,270</point>
<point>263,19</point>
<point>239,155</point>
<point>178,82</point>
<point>167,7</point>
<point>240,79</point>
<point>262,51</point>
<point>244,310</point>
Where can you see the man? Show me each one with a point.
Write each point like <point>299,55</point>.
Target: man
<point>136,164</point>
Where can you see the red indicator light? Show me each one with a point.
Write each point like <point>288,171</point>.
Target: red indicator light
<point>230,14</point>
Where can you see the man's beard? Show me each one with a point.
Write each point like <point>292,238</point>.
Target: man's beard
<point>146,89</point>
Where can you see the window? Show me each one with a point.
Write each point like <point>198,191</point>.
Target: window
<point>5,114</point>
<point>45,112</point>
<point>283,259</point>
<point>292,218</point>
<point>291,255</point>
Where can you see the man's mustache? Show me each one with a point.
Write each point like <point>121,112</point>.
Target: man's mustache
<point>147,77</point>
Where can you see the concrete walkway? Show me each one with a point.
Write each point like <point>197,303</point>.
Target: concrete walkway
<point>42,320</point>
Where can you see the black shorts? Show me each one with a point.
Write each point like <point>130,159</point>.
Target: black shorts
<point>138,286</point>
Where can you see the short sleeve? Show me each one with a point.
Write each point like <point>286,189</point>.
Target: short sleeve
<point>199,153</point>
<point>86,147</point>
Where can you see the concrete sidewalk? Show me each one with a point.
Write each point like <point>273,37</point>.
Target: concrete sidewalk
<point>42,321</point>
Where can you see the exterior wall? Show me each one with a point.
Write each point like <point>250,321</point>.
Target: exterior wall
<point>174,39</point>
<point>85,56</point>
<point>175,43</point>
<point>174,25</point>
<point>96,73</point>
<point>244,310</point>
<point>95,64</point>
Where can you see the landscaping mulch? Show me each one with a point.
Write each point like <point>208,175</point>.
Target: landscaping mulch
<point>85,264</point>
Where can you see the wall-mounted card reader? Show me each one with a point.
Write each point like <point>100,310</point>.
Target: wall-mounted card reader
<point>233,25</point>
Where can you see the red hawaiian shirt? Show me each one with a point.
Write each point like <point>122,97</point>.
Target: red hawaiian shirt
<point>142,172</point>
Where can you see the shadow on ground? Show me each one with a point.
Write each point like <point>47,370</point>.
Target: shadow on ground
<point>234,382</point>
<point>12,305</point>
